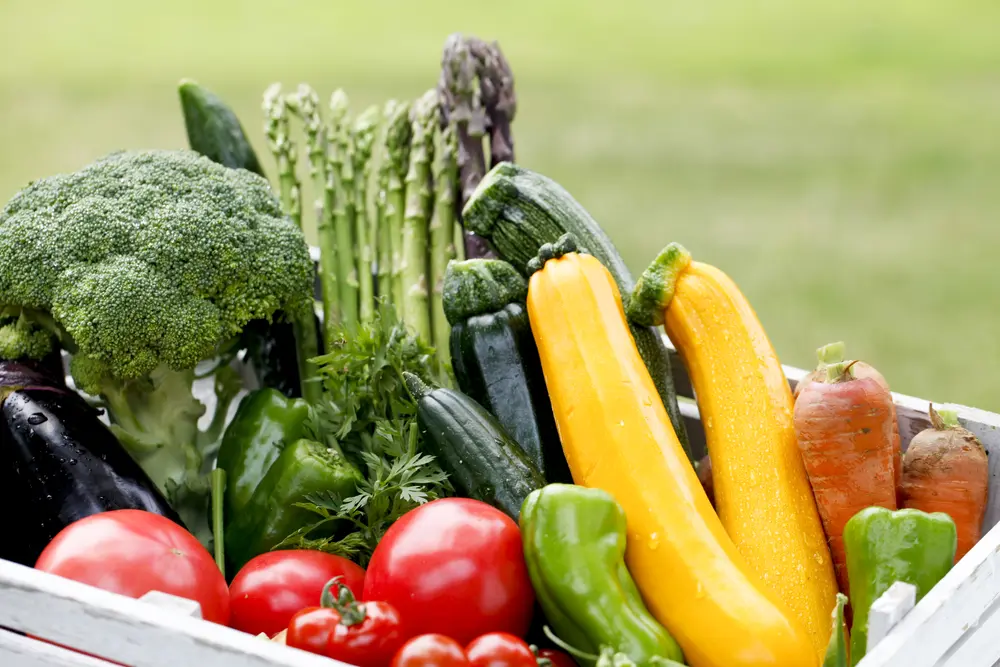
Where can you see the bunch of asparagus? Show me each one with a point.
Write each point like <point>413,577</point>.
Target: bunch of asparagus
<point>390,184</point>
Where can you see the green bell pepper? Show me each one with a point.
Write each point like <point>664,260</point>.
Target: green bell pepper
<point>885,546</point>
<point>574,546</point>
<point>303,468</point>
<point>265,422</point>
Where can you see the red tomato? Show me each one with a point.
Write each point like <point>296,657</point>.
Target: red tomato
<point>557,658</point>
<point>132,552</point>
<point>370,643</point>
<point>499,649</point>
<point>431,651</point>
<point>455,567</point>
<point>310,629</point>
<point>272,587</point>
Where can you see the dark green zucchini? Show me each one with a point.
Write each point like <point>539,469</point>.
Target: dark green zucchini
<point>482,461</point>
<point>495,361</point>
<point>518,210</point>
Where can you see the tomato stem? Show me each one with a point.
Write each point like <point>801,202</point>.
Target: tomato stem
<point>351,613</point>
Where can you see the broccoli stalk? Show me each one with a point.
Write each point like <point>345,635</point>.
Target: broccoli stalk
<point>144,266</point>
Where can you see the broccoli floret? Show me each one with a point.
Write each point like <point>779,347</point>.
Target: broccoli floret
<point>20,338</point>
<point>142,265</point>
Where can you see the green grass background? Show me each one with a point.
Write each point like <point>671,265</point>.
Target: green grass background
<point>839,159</point>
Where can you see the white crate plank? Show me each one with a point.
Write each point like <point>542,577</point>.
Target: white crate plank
<point>963,600</point>
<point>173,604</point>
<point>18,651</point>
<point>978,647</point>
<point>887,611</point>
<point>130,631</point>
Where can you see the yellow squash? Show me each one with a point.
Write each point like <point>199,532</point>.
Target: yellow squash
<point>762,493</point>
<point>617,437</point>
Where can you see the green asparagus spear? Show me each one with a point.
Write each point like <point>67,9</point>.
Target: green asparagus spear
<point>276,126</point>
<point>305,104</point>
<point>365,225</point>
<point>419,200</point>
<point>341,167</point>
<point>397,142</point>
<point>384,261</point>
<point>442,232</point>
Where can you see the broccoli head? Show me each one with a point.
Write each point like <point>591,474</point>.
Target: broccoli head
<point>142,265</point>
<point>150,258</point>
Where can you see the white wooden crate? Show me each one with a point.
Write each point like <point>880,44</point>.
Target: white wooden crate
<point>956,625</point>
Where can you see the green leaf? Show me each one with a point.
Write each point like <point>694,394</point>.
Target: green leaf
<point>370,415</point>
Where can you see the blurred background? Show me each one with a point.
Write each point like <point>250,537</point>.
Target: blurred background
<point>839,159</point>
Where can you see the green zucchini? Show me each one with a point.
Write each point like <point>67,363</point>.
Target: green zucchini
<point>495,361</point>
<point>482,461</point>
<point>214,130</point>
<point>518,210</point>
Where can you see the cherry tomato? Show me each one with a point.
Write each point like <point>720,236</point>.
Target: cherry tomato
<point>310,629</point>
<point>454,566</point>
<point>366,634</point>
<point>371,642</point>
<point>272,587</point>
<point>132,552</point>
<point>557,658</point>
<point>499,649</point>
<point>431,650</point>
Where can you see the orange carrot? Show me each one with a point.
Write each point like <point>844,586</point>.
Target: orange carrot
<point>834,353</point>
<point>945,470</point>
<point>844,428</point>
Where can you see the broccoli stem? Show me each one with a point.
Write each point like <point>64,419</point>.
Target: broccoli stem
<point>442,231</point>
<point>366,225</point>
<point>419,199</point>
<point>342,169</point>
<point>306,105</point>
<point>397,143</point>
<point>276,126</point>
<point>156,420</point>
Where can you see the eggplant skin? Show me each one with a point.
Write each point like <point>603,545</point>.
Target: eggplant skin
<point>59,463</point>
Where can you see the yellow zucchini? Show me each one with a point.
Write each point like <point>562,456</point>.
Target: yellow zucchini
<point>617,437</point>
<point>762,493</point>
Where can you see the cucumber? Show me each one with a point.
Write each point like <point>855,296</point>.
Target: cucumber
<point>518,210</point>
<point>214,130</point>
<point>495,361</point>
<point>482,461</point>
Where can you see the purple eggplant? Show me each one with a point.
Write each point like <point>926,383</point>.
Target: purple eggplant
<point>59,462</point>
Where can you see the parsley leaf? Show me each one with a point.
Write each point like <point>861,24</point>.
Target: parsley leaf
<point>368,412</point>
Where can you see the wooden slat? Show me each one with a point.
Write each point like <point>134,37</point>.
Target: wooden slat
<point>19,651</point>
<point>130,631</point>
